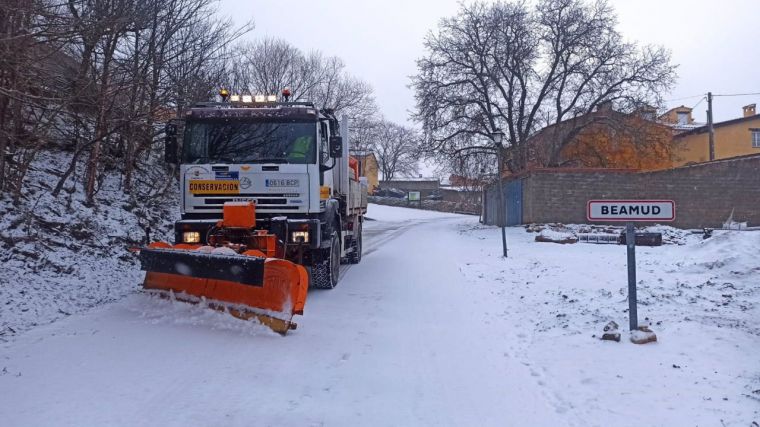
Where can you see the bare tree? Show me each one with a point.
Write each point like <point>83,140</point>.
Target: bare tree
<point>342,92</point>
<point>364,133</point>
<point>92,77</point>
<point>470,170</point>
<point>516,68</point>
<point>269,65</point>
<point>396,149</point>
<point>32,79</point>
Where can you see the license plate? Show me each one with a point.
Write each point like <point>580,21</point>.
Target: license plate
<point>281,183</point>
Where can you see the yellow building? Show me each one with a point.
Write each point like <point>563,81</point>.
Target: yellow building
<point>368,167</point>
<point>679,117</point>
<point>733,138</point>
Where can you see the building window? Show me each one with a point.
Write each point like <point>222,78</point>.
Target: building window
<point>683,118</point>
<point>756,138</point>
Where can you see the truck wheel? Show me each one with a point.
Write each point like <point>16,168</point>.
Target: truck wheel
<point>355,257</point>
<point>325,274</point>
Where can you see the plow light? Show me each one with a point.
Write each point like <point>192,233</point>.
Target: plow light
<point>271,98</point>
<point>235,98</point>
<point>299,237</point>
<point>260,98</point>
<point>247,99</point>
<point>191,237</point>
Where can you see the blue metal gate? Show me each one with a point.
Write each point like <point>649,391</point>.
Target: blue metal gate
<point>514,202</point>
<point>513,196</point>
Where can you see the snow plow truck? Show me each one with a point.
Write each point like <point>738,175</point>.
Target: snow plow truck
<point>271,204</point>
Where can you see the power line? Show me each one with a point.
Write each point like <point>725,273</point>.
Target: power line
<point>703,95</point>
<point>738,94</point>
<point>698,102</point>
<point>684,98</point>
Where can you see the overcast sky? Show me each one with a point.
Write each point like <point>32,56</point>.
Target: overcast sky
<point>715,43</point>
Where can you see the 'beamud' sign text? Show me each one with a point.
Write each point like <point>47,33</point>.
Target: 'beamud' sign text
<point>631,210</point>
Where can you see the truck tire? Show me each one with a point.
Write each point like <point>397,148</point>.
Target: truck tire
<point>325,274</point>
<point>355,257</point>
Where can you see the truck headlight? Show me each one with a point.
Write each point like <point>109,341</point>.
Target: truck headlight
<point>299,237</point>
<point>191,237</point>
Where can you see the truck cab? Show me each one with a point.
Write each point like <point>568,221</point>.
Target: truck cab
<point>288,158</point>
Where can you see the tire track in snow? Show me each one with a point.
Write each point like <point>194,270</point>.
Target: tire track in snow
<point>375,238</point>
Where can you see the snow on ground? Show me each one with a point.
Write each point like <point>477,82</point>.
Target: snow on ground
<point>61,256</point>
<point>432,328</point>
<point>702,299</point>
<point>391,213</point>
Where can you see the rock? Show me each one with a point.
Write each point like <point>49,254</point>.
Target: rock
<point>611,332</point>
<point>552,236</point>
<point>643,335</point>
<point>534,228</point>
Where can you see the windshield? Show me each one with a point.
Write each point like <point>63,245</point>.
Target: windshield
<point>227,141</point>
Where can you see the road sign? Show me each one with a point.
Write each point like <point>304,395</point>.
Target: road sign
<point>631,210</point>
<point>414,196</point>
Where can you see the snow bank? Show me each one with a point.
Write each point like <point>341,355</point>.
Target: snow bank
<point>392,213</point>
<point>61,256</point>
<point>734,251</point>
<point>549,235</point>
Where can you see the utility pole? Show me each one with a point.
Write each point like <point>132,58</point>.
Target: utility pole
<point>710,128</point>
<point>498,138</point>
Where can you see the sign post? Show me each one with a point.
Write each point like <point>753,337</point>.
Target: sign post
<point>629,211</point>
<point>630,241</point>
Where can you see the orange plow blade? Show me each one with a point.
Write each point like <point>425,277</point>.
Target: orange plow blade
<point>245,285</point>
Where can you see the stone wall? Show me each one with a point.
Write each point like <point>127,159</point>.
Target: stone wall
<point>705,194</point>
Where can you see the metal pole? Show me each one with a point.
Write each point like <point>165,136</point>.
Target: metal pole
<point>502,208</point>
<point>710,127</point>
<point>630,240</point>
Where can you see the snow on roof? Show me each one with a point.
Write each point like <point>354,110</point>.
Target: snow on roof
<point>414,178</point>
<point>458,188</point>
<point>689,126</point>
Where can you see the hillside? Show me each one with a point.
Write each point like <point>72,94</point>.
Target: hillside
<point>61,256</point>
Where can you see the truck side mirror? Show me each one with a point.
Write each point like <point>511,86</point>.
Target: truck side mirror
<point>336,146</point>
<point>170,144</point>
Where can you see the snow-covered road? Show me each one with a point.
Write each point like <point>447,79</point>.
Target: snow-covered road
<point>432,328</point>
<point>396,343</point>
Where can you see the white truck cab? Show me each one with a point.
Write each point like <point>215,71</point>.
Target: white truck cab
<point>290,160</point>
